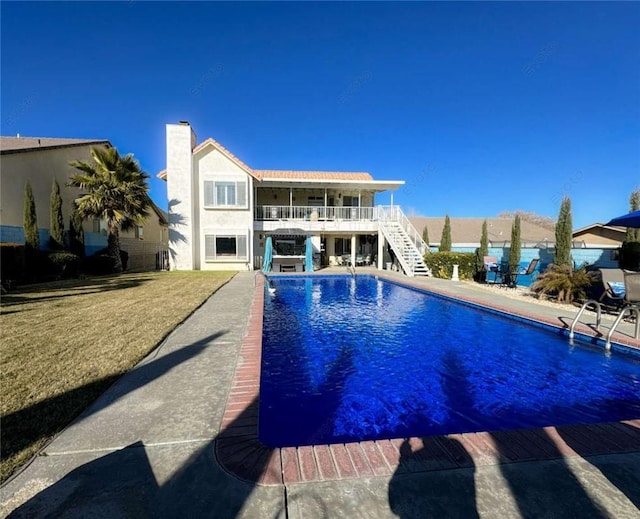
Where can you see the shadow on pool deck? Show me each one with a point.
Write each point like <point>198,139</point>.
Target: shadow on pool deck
<point>449,493</point>
<point>124,483</point>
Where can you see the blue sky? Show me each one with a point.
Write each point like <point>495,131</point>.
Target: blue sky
<point>479,107</point>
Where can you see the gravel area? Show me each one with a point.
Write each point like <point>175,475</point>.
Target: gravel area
<point>524,293</point>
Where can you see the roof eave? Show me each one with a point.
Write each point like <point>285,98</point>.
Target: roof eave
<point>373,185</point>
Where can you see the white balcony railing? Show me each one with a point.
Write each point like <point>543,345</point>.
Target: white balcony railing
<point>296,212</point>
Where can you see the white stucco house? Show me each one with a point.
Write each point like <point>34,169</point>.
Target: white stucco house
<point>222,212</point>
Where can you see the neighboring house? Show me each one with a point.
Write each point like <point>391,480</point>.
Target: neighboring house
<point>600,235</point>
<point>466,232</point>
<point>222,213</point>
<point>40,161</point>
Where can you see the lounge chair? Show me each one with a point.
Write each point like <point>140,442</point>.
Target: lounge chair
<point>631,304</point>
<point>527,272</point>
<point>491,265</point>
<point>510,278</point>
<point>613,286</point>
<point>632,288</point>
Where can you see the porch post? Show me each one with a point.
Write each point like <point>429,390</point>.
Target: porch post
<point>325,203</point>
<point>353,249</point>
<point>380,249</point>
<point>359,204</point>
<point>290,202</point>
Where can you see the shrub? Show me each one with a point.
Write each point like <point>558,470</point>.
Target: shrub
<point>445,239</point>
<point>124,257</point>
<point>62,265</point>
<point>13,263</point>
<point>441,264</point>
<point>564,283</point>
<point>479,273</point>
<point>99,264</point>
<point>630,256</point>
<point>56,225</point>
<point>564,233</point>
<point>515,247</point>
<point>30,219</point>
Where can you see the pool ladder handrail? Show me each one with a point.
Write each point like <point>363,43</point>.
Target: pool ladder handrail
<point>633,309</point>
<point>598,307</point>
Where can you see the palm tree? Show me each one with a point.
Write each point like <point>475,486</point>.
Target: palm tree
<point>116,191</point>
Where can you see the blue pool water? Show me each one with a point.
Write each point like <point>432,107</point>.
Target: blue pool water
<point>349,359</point>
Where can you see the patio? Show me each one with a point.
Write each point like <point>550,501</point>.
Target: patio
<point>176,437</point>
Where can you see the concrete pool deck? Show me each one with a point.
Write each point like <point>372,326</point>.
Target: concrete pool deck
<point>176,436</point>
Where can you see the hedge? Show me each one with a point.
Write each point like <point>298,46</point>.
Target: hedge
<point>441,264</point>
<point>630,256</point>
<point>62,265</point>
<point>13,262</point>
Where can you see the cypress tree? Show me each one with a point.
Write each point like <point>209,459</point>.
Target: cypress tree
<point>514,250</point>
<point>445,240</point>
<point>634,205</point>
<point>425,235</point>
<point>56,230</point>
<point>484,241</point>
<point>76,232</point>
<point>564,234</point>
<point>30,220</point>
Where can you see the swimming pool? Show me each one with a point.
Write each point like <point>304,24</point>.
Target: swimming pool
<point>350,359</point>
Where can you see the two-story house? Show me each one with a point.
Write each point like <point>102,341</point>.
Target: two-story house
<point>40,161</point>
<point>222,214</point>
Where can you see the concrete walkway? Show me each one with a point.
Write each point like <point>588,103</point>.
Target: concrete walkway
<point>146,448</point>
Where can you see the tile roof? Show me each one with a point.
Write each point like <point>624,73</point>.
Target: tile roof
<point>273,174</point>
<point>20,144</point>
<point>269,174</point>
<point>469,230</point>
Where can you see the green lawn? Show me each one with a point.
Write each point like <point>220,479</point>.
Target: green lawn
<point>62,344</point>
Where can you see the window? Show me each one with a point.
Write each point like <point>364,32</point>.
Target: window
<point>225,247</point>
<point>228,193</point>
<point>350,201</point>
<point>139,232</point>
<point>343,246</point>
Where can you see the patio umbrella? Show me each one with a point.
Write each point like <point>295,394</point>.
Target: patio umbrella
<point>268,255</point>
<point>627,220</point>
<point>308,256</point>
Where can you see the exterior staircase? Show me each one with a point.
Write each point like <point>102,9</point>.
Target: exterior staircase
<point>405,241</point>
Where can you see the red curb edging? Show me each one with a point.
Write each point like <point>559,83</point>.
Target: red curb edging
<point>241,453</point>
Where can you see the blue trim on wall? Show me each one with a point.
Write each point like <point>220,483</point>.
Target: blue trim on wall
<point>93,241</point>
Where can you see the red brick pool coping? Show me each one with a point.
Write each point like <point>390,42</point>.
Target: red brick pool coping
<point>241,453</point>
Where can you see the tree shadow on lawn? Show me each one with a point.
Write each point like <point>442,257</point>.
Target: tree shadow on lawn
<point>82,286</point>
<point>44,419</point>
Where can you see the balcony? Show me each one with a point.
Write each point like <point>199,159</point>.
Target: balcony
<point>310,218</point>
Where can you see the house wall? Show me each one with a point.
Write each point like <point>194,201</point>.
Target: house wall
<point>40,167</point>
<point>210,165</point>
<point>601,236</point>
